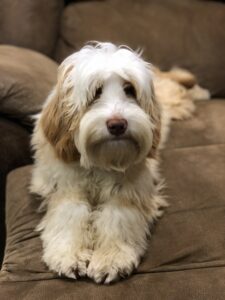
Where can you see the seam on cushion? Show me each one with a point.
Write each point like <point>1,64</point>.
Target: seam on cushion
<point>134,274</point>
<point>195,209</point>
<point>67,43</point>
<point>158,270</point>
<point>188,147</point>
<point>32,280</point>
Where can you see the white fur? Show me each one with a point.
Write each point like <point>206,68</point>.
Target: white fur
<point>114,103</point>
<point>99,207</point>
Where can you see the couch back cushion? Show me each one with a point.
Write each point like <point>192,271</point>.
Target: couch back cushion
<point>30,24</point>
<point>187,33</point>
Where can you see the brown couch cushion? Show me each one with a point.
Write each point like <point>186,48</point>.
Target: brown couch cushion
<point>22,256</point>
<point>26,79</point>
<point>196,284</point>
<point>204,128</point>
<point>189,34</point>
<point>189,236</point>
<point>186,252</point>
<point>30,24</point>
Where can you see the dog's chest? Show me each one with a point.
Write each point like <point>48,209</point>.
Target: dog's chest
<point>99,186</point>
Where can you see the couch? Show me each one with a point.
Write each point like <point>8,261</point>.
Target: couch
<point>186,254</point>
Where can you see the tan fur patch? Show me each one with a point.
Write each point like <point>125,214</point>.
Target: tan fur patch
<point>181,76</point>
<point>58,127</point>
<point>155,115</point>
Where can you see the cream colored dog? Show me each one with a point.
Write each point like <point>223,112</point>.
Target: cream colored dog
<point>95,144</point>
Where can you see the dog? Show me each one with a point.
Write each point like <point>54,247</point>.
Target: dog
<point>96,145</point>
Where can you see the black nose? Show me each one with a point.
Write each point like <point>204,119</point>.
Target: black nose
<point>116,126</point>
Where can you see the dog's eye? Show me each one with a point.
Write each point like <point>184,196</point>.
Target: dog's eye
<point>98,93</point>
<point>129,90</point>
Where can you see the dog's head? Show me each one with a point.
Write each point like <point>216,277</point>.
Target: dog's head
<point>102,111</point>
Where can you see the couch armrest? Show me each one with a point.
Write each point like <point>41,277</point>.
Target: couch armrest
<point>26,79</point>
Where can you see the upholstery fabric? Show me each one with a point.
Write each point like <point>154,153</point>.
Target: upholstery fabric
<point>27,77</point>
<point>186,257</point>
<point>185,33</point>
<point>30,24</point>
<point>14,152</point>
<point>196,284</point>
<point>186,251</point>
<point>22,240</point>
<point>204,128</point>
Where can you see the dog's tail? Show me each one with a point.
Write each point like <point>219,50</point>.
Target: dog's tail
<point>181,76</point>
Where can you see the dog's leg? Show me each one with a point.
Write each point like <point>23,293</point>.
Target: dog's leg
<point>65,236</point>
<point>121,238</point>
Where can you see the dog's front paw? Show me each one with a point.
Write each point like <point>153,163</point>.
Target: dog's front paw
<point>65,263</point>
<point>111,264</point>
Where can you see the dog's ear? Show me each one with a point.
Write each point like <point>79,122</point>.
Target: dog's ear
<point>59,121</point>
<point>155,115</point>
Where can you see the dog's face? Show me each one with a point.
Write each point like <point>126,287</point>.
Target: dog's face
<point>103,111</point>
